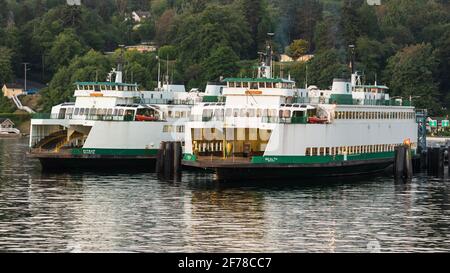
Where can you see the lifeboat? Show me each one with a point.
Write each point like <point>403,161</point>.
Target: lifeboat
<point>316,120</point>
<point>145,118</point>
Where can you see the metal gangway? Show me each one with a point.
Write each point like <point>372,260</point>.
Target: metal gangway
<point>19,105</point>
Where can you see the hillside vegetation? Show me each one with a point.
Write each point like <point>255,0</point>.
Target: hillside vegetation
<point>404,44</point>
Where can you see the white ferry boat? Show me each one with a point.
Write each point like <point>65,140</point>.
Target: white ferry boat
<point>110,124</point>
<point>269,128</point>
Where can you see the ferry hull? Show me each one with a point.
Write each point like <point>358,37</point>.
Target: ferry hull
<point>295,171</point>
<point>110,163</point>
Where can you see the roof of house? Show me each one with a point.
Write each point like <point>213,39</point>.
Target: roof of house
<point>142,13</point>
<point>5,119</point>
<point>14,85</point>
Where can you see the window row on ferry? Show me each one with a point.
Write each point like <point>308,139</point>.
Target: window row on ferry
<point>373,115</point>
<point>177,114</point>
<point>219,114</point>
<point>99,88</point>
<point>173,129</point>
<point>240,112</point>
<point>96,112</point>
<point>349,150</point>
<point>257,85</point>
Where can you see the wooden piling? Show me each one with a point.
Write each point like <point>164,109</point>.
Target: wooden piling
<point>435,161</point>
<point>403,167</point>
<point>430,164</point>
<point>440,163</point>
<point>423,160</point>
<point>408,168</point>
<point>160,158</point>
<point>168,159</point>
<point>399,162</point>
<point>177,157</point>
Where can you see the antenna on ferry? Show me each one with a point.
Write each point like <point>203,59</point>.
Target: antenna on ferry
<point>159,72</point>
<point>270,53</point>
<point>167,70</point>
<point>306,76</point>
<point>119,65</point>
<point>352,64</point>
<point>265,68</point>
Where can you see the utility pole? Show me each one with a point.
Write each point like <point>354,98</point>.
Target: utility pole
<point>25,69</point>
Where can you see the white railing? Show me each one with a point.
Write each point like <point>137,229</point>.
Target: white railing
<point>9,130</point>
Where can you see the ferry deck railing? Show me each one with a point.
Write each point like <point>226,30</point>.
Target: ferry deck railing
<point>83,117</point>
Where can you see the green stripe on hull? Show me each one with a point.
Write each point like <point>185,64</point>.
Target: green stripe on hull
<point>318,159</point>
<point>115,152</point>
<point>310,159</point>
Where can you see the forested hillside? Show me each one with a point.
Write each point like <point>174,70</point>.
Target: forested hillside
<point>404,44</point>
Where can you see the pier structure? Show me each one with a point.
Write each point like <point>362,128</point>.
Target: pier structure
<point>168,159</point>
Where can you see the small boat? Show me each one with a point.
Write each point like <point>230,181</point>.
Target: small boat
<point>145,118</point>
<point>316,120</point>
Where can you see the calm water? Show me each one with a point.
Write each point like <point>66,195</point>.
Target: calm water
<point>137,212</point>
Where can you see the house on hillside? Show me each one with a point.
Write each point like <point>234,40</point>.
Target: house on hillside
<point>12,89</point>
<point>7,127</point>
<point>286,59</point>
<point>374,2</point>
<point>144,47</point>
<point>139,16</point>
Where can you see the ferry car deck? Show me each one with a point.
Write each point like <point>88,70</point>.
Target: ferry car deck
<point>268,128</point>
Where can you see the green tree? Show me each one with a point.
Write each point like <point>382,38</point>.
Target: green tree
<point>308,13</point>
<point>6,71</point>
<point>325,35</point>
<point>146,30</point>
<point>92,66</point>
<point>297,71</point>
<point>411,72</point>
<point>164,26</point>
<point>140,68</point>
<point>253,13</point>
<point>168,52</point>
<point>350,21</point>
<point>326,66</point>
<point>297,48</point>
<point>371,57</point>
<point>64,49</point>
<point>214,27</point>
<point>222,62</point>
<point>3,12</point>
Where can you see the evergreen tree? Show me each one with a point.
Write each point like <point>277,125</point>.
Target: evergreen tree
<point>410,73</point>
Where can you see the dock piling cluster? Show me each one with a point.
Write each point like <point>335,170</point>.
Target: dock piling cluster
<point>403,166</point>
<point>168,161</point>
<point>436,157</point>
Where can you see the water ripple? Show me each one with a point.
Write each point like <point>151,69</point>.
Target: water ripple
<point>136,212</point>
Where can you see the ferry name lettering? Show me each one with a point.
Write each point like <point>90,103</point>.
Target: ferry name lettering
<point>89,152</point>
<point>271,159</point>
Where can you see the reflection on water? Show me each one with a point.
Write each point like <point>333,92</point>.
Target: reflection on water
<point>137,212</point>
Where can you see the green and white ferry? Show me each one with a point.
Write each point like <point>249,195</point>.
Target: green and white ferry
<point>266,127</point>
<point>111,124</point>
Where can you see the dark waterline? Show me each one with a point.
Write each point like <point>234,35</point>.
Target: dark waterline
<point>136,212</point>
